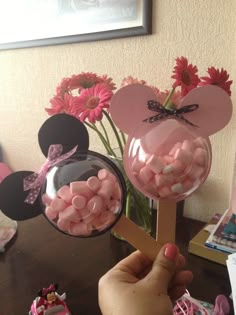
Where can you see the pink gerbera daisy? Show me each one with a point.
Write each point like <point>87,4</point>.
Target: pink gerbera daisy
<point>61,105</point>
<point>217,77</point>
<point>108,82</point>
<point>155,90</point>
<point>185,75</point>
<point>63,87</point>
<point>131,80</point>
<point>90,103</point>
<point>84,80</point>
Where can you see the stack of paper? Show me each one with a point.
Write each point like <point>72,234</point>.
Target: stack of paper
<point>231,265</point>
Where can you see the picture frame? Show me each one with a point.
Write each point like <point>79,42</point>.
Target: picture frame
<point>55,22</point>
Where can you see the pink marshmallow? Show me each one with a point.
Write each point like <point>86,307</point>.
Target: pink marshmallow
<point>65,194</point>
<point>145,174</point>
<point>188,145</point>
<point>151,187</point>
<point>96,222</point>
<point>107,218</point>
<point>178,167</point>
<point>93,183</point>
<point>168,169</point>
<point>115,206</point>
<point>58,204</point>
<point>177,188</point>
<point>76,220</point>
<point>163,180</point>
<point>79,202</point>
<point>200,157</point>
<point>155,164</point>
<point>51,213</point>
<point>175,147</point>
<point>69,213</point>
<point>137,165</point>
<point>81,188</point>
<point>105,174</point>
<point>187,184</point>
<point>116,194</point>
<point>96,205</point>
<point>199,142</point>
<point>46,200</point>
<point>106,189</point>
<point>63,224</point>
<point>80,229</point>
<point>195,172</point>
<point>86,215</point>
<point>168,159</point>
<point>164,192</point>
<point>184,156</point>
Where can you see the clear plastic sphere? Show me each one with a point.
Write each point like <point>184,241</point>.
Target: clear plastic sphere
<point>84,195</point>
<point>169,160</point>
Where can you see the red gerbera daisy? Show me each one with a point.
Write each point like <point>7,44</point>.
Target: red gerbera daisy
<point>91,102</point>
<point>217,77</point>
<point>185,75</point>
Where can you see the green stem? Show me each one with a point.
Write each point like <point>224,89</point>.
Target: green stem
<point>105,132</point>
<point>115,131</point>
<point>168,97</point>
<point>127,205</point>
<point>143,210</point>
<point>106,145</point>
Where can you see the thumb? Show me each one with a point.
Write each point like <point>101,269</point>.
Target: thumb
<point>163,267</point>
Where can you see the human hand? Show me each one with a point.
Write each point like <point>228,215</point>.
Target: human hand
<point>137,286</point>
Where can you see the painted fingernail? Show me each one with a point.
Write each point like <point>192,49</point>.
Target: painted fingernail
<point>170,251</point>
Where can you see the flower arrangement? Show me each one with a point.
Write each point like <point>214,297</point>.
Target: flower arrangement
<point>87,96</point>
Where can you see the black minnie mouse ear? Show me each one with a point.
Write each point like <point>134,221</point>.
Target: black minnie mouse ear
<point>65,130</point>
<point>12,198</point>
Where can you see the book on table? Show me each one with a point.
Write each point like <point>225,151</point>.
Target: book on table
<point>221,237</point>
<point>198,248</point>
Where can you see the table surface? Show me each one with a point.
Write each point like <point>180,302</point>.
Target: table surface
<point>40,255</point>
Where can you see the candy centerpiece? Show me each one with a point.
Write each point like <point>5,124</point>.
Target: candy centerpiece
<point>81,193</point>
<point>84,196</point>
<point>171,166</point>
<point>168,153</point>
<point>167,157</point>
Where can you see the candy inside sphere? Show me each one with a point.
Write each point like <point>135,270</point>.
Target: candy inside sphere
<point>84,196</point>
<point>168,160</point>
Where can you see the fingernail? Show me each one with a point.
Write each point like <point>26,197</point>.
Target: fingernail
<point>170,251</point>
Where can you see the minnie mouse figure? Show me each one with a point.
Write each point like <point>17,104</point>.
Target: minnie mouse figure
<point>49,302</point>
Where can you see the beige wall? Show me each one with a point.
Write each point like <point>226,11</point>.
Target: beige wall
<point>204,31</point>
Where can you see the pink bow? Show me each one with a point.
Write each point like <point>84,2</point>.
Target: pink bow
<point>45,291</point>
<point>35,181</point>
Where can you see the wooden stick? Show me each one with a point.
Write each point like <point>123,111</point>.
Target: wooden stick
<point>166,221</point>
<point>137,237</point>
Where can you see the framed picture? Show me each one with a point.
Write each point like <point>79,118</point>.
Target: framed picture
<point>29,23</point>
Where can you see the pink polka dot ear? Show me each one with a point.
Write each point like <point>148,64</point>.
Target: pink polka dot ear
<point>214,111</point>
<point>129,106</point>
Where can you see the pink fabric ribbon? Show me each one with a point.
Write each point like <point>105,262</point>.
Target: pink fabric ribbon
<point>35,181</point>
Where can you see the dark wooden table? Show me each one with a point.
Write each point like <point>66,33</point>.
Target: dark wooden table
<point>40,255</point>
